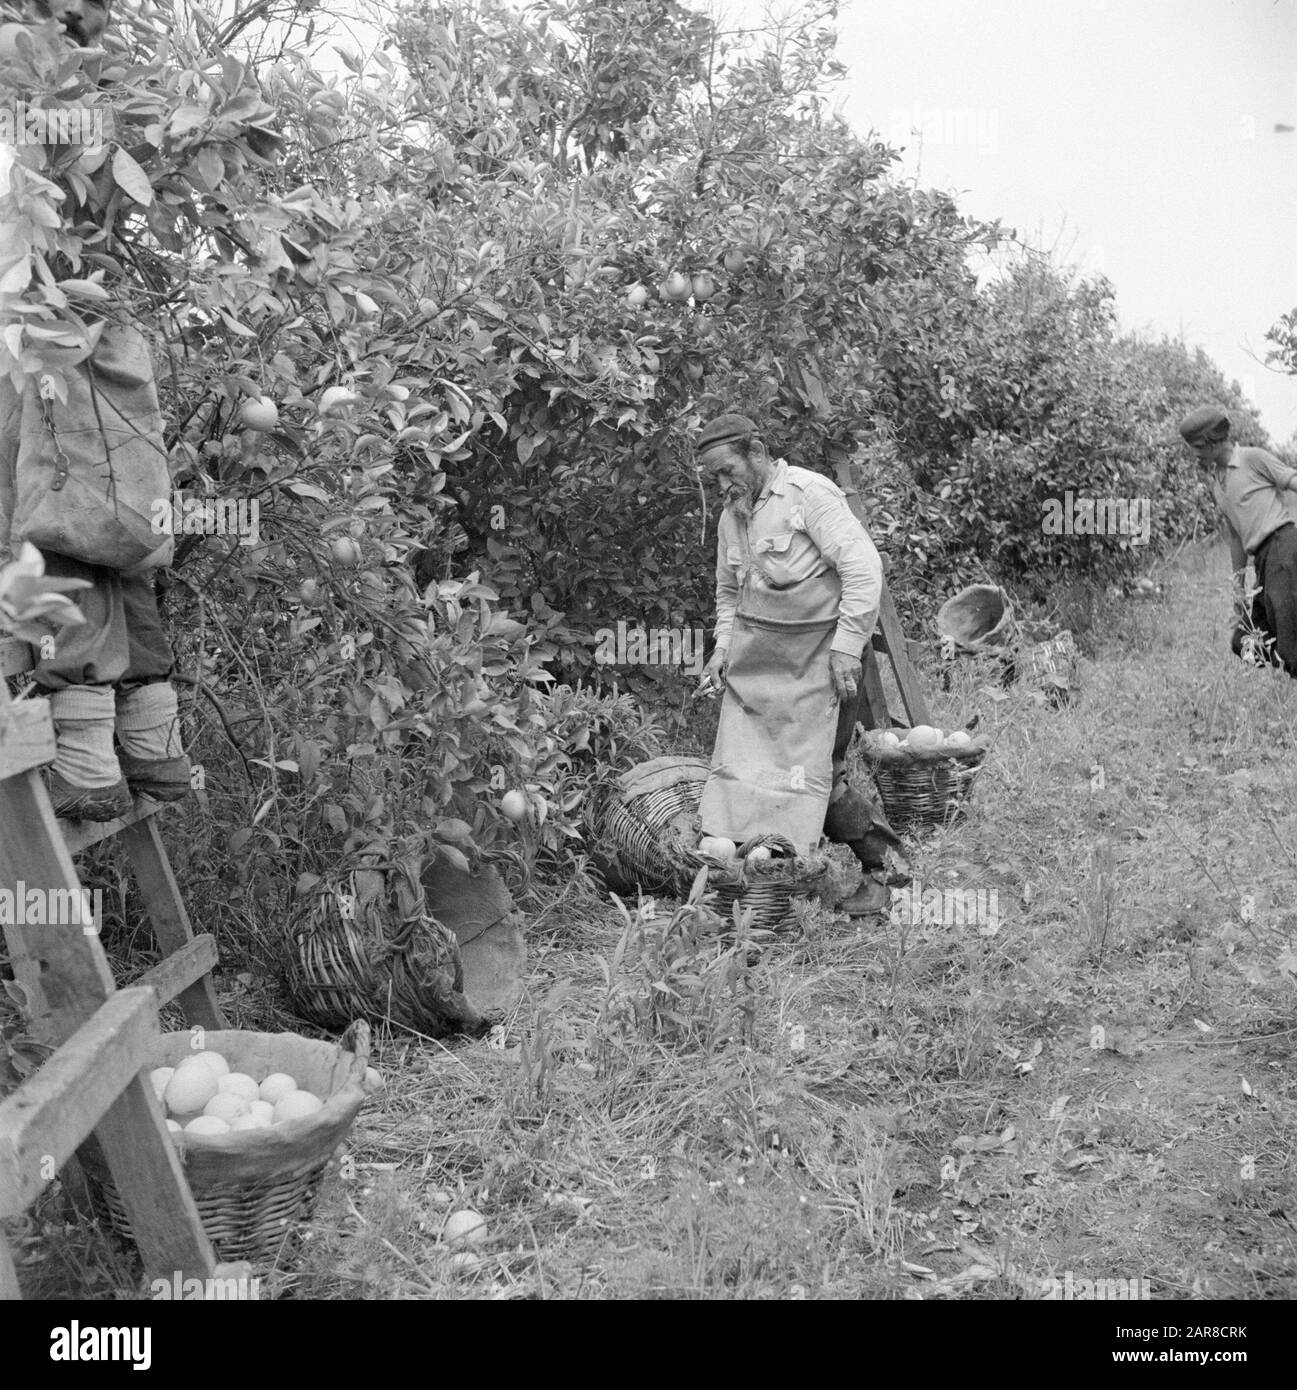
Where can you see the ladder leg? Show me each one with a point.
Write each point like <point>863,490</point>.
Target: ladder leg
<point>150,1180</point>
<point>167,913</point>
<point>8,1275</point>
<point>874,713</point>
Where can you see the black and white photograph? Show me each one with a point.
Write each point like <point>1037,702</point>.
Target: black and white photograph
<point>650,654</point>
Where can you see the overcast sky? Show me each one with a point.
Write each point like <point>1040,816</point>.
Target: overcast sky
<point>1139,134</point>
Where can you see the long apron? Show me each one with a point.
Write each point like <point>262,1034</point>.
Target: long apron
<point>772,766</point>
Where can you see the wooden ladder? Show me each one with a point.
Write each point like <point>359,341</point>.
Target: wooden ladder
<point>97,1079</point>
<point>888,640</point>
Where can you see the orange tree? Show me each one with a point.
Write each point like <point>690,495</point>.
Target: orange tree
<point>666,225</point>
<point>241,209</point>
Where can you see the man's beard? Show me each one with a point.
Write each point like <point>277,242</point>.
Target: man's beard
<point>740,503</point>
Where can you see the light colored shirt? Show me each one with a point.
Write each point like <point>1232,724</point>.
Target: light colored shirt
<point>1254,496</point>
<point>802,529</point>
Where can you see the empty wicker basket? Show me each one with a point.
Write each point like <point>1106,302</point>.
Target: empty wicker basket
<point>978,619</point>
<point>254,1188</point>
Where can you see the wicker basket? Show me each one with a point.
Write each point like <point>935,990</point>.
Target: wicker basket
<point>1056,657</point>
<point>978,619</point>
<point>647,830</point>
<point>363,945</point>
<point>921,790</point>
<point>254,1188</point>
<point>766,890</point>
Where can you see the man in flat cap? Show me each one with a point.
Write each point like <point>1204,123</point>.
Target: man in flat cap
<point>798,584</point>
<point>1257,494</point>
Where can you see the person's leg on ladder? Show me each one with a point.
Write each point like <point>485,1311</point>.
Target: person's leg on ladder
<point>148,723</point>
<point>85,781</point>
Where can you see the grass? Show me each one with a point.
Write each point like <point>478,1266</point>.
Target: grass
<point>1103,1086</point>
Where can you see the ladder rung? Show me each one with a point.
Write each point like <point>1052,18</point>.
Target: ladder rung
<point>179,970</point>
<point>45,1120</point>
<point>79,835</point>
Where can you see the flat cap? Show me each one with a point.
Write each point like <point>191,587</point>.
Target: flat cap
<point>1206,425</point>
<point>725,429</point>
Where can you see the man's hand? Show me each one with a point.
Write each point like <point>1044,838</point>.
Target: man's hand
<point>713,676</point>
<point>846,672</point>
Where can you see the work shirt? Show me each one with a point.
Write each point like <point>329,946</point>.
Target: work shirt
<point>1253,496</point>
<point>803,542</point>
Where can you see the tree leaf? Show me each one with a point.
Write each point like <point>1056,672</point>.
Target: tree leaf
<point>130,178</point>
<point>455,857</point>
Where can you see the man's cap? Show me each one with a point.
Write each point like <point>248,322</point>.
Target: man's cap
<point>1206,425</point>
<point>724,429</point>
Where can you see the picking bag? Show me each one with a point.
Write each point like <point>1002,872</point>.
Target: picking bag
<point>89,476</point>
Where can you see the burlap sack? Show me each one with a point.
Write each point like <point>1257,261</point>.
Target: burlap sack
<point>88,477</point>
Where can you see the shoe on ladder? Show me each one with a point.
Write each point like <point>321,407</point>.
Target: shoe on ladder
<point>85,781</point>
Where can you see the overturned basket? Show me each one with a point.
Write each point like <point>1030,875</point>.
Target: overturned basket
<point>363,945</point>
<point>254,1188</point>
<point>923,789</point>
<point>646,831</point>
<point>645,827</point>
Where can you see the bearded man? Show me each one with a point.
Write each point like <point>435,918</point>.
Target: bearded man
<point>798,585</point>
<point>1255,493</point>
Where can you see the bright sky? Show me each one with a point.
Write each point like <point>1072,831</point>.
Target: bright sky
<point>1137,135</point>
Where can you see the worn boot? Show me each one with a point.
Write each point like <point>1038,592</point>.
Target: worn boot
<point>85,782</point>
<point>872,899</point>
<point>855,818</point>
<point>148,729</point>
<point>874,895</point>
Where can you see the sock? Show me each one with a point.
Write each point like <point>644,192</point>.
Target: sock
<point>148,722</point>
<point>83,732</point>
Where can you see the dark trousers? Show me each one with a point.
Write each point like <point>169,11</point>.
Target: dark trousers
<point>121,642</point>
<point>854,817</point>
<point>1276,573</point>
